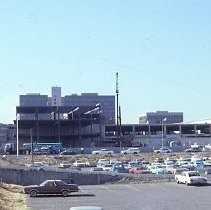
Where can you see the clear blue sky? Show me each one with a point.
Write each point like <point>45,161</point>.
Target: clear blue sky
<point>161,49</point>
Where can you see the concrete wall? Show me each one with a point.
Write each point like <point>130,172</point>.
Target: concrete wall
<point>30,177</point>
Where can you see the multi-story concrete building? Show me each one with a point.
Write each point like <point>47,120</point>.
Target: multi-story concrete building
<point>33,100</point>
<point>74,120</point>
<point>159,116</point>
<point>106,102</point>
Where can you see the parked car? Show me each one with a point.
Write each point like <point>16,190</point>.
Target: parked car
<point>81,163</point>
<point>132,150</point>
<point>68,152</point>
<point>207,171</point>
<point>103,152</point>
<point>190,178</point>
<point>139,170</point>
<point>157,169</point>
<point>102,162</point>
<point>197,164</point>
<point>65,164</point>
<point>106,167</point>
<point>163,150</point>
<point>41,151</point>
<point>193,149</point>
<point>135,163</point>
<point>93,169</point>
<point>51,187</point>
<point>119,168</point>
<point>38,166</point>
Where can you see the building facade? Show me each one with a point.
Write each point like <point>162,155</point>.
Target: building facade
<point>106,103</point>
<point>160,116</point>
<point>56,98</point>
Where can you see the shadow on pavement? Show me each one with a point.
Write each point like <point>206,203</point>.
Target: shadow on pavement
<point>71,195</point>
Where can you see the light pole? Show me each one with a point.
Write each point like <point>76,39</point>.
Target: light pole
<point>164,120</point>
<point>17,133</point>
<point>74,110</point>
<point>98,105</point>
<point>32,152</point>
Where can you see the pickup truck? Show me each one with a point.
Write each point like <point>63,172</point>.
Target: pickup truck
<point>190,178</point>
<point>102,152</point>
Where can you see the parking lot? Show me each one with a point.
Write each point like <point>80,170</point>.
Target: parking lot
<point>130,196</point>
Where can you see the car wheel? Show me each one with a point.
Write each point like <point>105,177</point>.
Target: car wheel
<point>125,153</point>
<point>33,193</point>
<point>65,193</point>
<point>186,183</point>
<point>97,153</point>
<point>135,153</point>
<point>177,181</point>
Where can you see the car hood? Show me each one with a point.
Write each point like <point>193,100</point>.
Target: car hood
<point>30,186</point>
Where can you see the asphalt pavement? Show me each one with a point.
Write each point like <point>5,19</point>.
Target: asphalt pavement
<point>159,196</point>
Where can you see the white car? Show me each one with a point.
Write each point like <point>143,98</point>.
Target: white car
<point>65,164</point>
<point>163,150</point>
<point>80,163</point>
<point>103,152</point>
<point>106,167</point>
<point>190,178</point>
<point>132,150</point>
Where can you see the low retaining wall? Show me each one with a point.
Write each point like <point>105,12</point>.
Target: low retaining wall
<point>33,176</point>
<point>30,177</point>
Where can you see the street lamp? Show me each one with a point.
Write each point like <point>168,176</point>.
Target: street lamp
<point>164,120</point>
<point>17,132</point>
<point>74,110</point>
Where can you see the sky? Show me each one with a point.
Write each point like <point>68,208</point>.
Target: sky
<point>160,48</point>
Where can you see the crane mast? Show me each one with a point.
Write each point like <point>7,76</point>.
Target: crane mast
<point>117,100</point>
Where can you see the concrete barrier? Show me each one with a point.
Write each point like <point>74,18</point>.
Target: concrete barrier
<point>24,177</point>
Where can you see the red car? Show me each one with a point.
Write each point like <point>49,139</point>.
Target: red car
<point>51,187</point>
<point>139,170</point>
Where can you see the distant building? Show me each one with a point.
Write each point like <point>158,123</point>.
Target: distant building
<point>56,99</point>
<point>106,103</point>
<point>159,116</point>
<point>33,100</point>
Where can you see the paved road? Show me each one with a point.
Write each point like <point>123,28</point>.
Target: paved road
<point>159,196</point>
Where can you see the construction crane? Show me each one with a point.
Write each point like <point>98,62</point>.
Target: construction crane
<point>117,100</point>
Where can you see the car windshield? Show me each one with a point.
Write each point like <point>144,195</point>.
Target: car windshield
<point>194,174</point>
<point>45,183</point>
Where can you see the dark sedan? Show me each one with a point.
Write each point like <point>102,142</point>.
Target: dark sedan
<point>193,149</point>
<point>51,187</point>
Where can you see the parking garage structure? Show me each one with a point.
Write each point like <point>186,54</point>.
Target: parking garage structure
<point>73,126</point>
